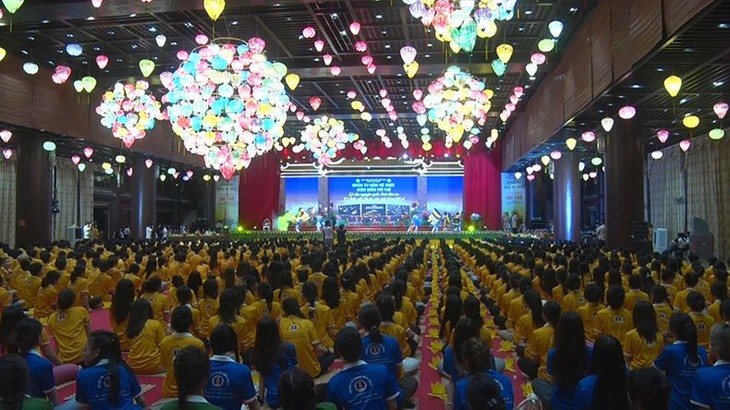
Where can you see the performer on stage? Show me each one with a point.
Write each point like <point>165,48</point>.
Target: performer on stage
<point>298,219</point>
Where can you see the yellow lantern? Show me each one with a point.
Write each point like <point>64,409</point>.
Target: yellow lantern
<point>88,83</point>
<point>427,146</point>
<point>691,121</point>
<point>292,81</point>
<point>214,8</point>
<point>146,67</point>
<point>2,53</point>
<point>504,52</point>
<point>672,84</point>
<point>489,31</point>
<point>546,45</point>
<point>571,143</point>
<point>411,69</point>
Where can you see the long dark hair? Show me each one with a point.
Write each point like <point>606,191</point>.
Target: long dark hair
<point>296,391</point>
<point>122,300</point>
<point>291,308</point>
<point>268,346</point>
<point>483,392</point>
<point>108,345</point>
<point>369,318</point>
<point>475,356</point>
<point>644,318</point>
<point>265,292</point>
<point>331,292</point>
<point>14,381</point>
<point>683,328</point>
<point>11,316</point>
<point>452,313</point>
<point>26,336</point>
<point>465,329</point>
<point>191,370</point>
<point>571,358</point>
<point>223,339</point>
<point>139,314</point>
<point>609,366</point>
<point>309,291</point>
<point>228,304</point>
<point>534,303</point>
<point>195,281</point>
<point>472,310</point>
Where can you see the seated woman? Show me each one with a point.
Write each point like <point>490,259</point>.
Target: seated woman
<point>192,369</point>
<point>25,343</point>
<point>145,335</point>
<point>272,357</point>
<point>296,392</point>
<point>14,384</point>
<point>70,326</point>
<point>230,384</point>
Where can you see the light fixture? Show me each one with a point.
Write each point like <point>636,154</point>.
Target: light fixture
<point>120,159</point>
<point>672,84</point>
<point>530,177</point>
<point>657,154</point>
<point>161,39</point>
<point>581,166</point>
<point>74,49</point>
<point>216,178</point>
<point>546,45</point>
<point>148,163</point>
<point>593,174</point>
<point>7,153</point>
<point>49,146</point>
<point>719,108</point>
<point>109,171</point>
<point>206,177</point>
<point>585,177</point>
<point>106,165</point>
<point>685,144</point>
<point>518,175</point>
<point>627,112</point>
<point>537,167</point>
<point>30,68</point>
<point>504,52</point>
<point>171,171</point>
<point>529,170</point>
<point>607,124</point>
<point>716,134</point>
<point>663,135</point>
<point>556,155</point>
<point>88,152</point>
<point>531,69</point>
<point>163,177</point>
<point>5,135</point>
<point>101,61</point>
<point>81,167</point>
<point>545,160</point>
<point>571,143</point>
<point>596,161</point>
<point>75,159</point>
<point>555,27</point>
<point>691,121</point>
<point>354,29</point>
<point>3,53</point>
<point>588,136</point>
<point>129,110</point>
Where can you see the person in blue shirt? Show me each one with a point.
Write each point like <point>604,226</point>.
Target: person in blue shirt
<point>378,348</point>
<point>360,386</point>
<point>605,387</point>
<point>25,342</point>
<point>648,389</point>
<point>465,329</point>
<point>567,362</point>
<point>230,384</point>
<point>296,392</point>
<point>681,360</point>
<point>107,382</point>
<point>711,386</point>
<point>474,358</point>
<point>271,357</point>
<point>483,392</point>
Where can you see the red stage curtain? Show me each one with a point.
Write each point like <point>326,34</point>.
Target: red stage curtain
<point>258,195</point>
<point>483,186</point>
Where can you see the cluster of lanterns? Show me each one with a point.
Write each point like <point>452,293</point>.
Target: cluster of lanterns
<point>457,102</point>
<point>228,103</point>
<point>460,23</point>
<point>324,138</point>
<point>129,110</point>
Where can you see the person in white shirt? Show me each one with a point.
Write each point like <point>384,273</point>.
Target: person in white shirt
<point>87,230</point>
<point>601,232</point>
<point>148,232</point>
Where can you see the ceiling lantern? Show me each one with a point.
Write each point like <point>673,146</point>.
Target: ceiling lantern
<point>657,155</point>
<point>545,160</point>
<point>504,52</point>
<point>3,53</point>
<point>214,8</point>
<point>518,175</point>
<point>663,135</point>
<point>691,121</point>
<point>556,155</point>
<point>571,143</point>
<point>555,27</point>
<point>546,45</point>
<point>716,134</point>
<point>49,146</point>
<point>129,110</point>
<point>355,28</point>
<point>684,145</point>
<point>31,68</point>
<point>627,112</point>
<point>531,69</point>
<point>607,124</point>
<point>588,136</point>
<point>596,161</point>
<point>719,108</point>
<point>672,84</point>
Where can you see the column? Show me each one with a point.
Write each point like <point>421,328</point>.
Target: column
<point>144,197</point>
<point>535,203</point>
<point>624,183</point>
<point>208,211</point>
<point>566,198</point>
<point>34,190</point>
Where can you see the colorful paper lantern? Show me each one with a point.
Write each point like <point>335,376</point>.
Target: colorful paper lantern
<point>315,103</point>
<point>308,32</point>
<point>148,163</point>
<point>74,49</point>
<point>355,28</point>
<point>556,155</point>
<point>75,159</point>
<point>691,121</point>
<point>89,83</point>
<point>3,53</point>
<point>518,175</point>
<point>571,143</point>
<point>49,146</point>
<point>411,69</point>
<point>361,46</point>
<point>88,152</point>
<point>146,66</point>
<point>672,84</point>
<point>319,45</point>
<point>325,137</point>
<point>161,39</point>
<point>531,69</point>
<point>5,135</point>
<point>719,108</point>
<point>201,39</point>
<point>545,159</point>
<point>81,167</point>
<point>499,67</point>
<point>96,3</point>
<point>538,58</point>
<point>684,145</point>
<point>335,70</point>
<point>716,134</point>
<point>214,8</point>
<point>228,103</point>
<point>588,136</point>
<point>61,74</point>
<point>546,45</point>
<point>555,28</point>
<point>13,5</point>
<point>607,124</point>
<point>129,110</point>
<point>504,52</point>
<point>7,153</point>
<point>627,112</point>
<point>327,58</point>
<point>596,161</point>
<point>292,81</point>
<point>30,68</point>
<point>657,154</point>
<point>663,136</point>
<point>102,61</point>
<point>408,54</point>
<point>78,86</point>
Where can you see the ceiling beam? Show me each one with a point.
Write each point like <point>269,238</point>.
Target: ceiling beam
<point>479,69</point>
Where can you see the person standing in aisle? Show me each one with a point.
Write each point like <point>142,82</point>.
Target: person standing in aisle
<point>329,235</point>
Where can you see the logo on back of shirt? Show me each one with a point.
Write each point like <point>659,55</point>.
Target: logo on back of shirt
<point>375,349</point>
<point>104,382</point>
<point>360,384</point>
<point>219,379</point>
<point>618,319</point>
<point>294,327</point>
<point>62,316</point>
<point>726,388</point>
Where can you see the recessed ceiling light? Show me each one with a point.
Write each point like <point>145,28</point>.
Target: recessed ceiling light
<point>689,50</point>
<point>59,51</point>
<point>573,9</point>
<point>84,62</point>
<point>152,29</point>
<point>316,58</point>
<point>70,35</point>
<point>174,43</point>
<point>427,55</point>
<point>528,12</point>
<point>429,45</point>
<point>723,25</point>
<point>134,46</point>
<point>718,83</point>
<point>24,52</point>
<point>51,62</point>
<point>119,60</point>
<point>97,48</point>
<point>133,15</point>
<point>91,18</point>
<point>234,22</point>
<point>31,38</point>
<point>110,32</point>
<point>683,100</point>
<point>188,24</point>
<point>384,32</point>
<point>333,15</point>
<point>378,16</point>
<point>389,57</point>
<point>661,69</point>
<point>387,46</point>
<point>521,29</point>
<point>45,21</point>
<point>635,86</point>
<point>343,32</point>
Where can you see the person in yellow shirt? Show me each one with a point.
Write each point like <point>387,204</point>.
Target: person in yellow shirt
<point>70,326</point>
<point>181,320</point>
<point>517,307</point>
<point>635,293</point>
<point>615,320</point>
<point>119,311</point>
<point>195,283</point>
<point>227,314</point>
<point>644,342</point>
<point>662,307</point>
<point>320,315</point>
<point>531,320</point>
<point>145,335</point>
<point>45,302</point>
<point>703,321</point>
<point>719,293</point>
<point>317,277</point>
<point>159,302</point>
<point>208,305</point>
<point>534,364</point>
<point>573,298</point>
<point>79,284</point>
<point>667,281</point>
<point>349,293</point>
<point>101,286</point>
<point>333,300</point>
<point>28,288</point>
<point>680,300</point>
<point>184,297</point>
<point>295,329</point>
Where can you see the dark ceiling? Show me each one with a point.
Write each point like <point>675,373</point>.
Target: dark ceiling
<point>126,31</point>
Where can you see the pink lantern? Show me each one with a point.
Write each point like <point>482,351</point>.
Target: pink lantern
<point>351,94</point>
<point>510,107</point>
<point>61,74</point>
<point>684,145</point>
<point>201,39</point>
<point>537,58</point>
<point>308,32</point>
<point>189,173</point>
<point>627,112</point>
<point>556,155</point>
<point>417,94</point>
<point>148,163</point>
<point>663,135</point>
<point>355,28</point>
<point>361,46</point>
<point>383,93</point>
<point>519,91</point>
<point>530,177</point>
<point>327,58</point>
<point>366,60</point>
<point>88,152</point>
<point>300,115</point>
<point>408,54</point>
<point>514,99</point>
<point>182,55</point>
<point>371,68</point>
<point>335,70</point>
<point>102,61</point>
<point>130,171</point>
<point>588,136</point>
<point>96,3</point>
<point>319,45</point>
<point>7,153</point>
<point>720,109</point>
<point>75,159</point>
<point>5,135</point>
<point>315,102</point>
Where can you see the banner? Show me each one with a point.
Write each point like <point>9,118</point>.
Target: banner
<point>226,203</point>
<point>301,193</point>
<point>513,200</point>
